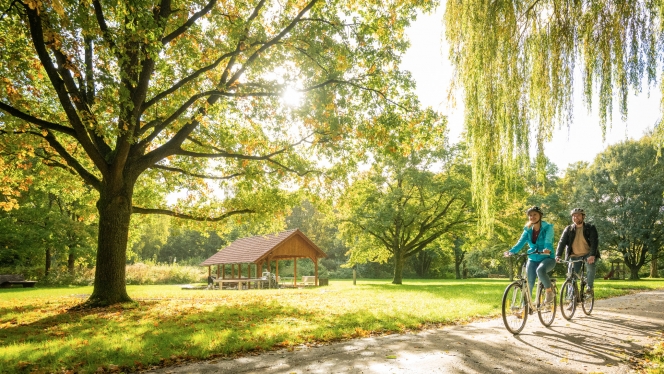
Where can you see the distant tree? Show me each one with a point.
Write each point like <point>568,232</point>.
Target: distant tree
<point>49,220</point>
<point>400,208</point>
<point>317,223</point>
<point>459,257</point>
<point>623,194</point>
<point>422,262</point>
<point>147,237</point>
<point>185,245</point>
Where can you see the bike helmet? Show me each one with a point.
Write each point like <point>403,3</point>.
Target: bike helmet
<point>577,210</point>
<point>535,209</point>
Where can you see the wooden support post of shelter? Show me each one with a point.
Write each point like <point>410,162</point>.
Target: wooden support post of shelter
<point>291,244</point>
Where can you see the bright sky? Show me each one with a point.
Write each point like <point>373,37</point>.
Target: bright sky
<point>427,60</point>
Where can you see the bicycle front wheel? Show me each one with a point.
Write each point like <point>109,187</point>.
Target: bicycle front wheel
<point>588,299</point>
<point>567,300</point>
<point>515,308</point>
<point>545,311</point>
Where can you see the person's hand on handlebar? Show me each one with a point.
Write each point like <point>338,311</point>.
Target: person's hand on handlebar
<point>507,254</point>
<point>558,259</point>
<point>546,252</point>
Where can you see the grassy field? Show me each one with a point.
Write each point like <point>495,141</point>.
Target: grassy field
<point>167,324</point>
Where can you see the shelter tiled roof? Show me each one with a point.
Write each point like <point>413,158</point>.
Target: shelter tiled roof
<point>249,250</point>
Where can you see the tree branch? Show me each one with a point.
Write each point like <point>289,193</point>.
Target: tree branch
<point>171,213</point>
<point>184,81</point>
<point>222,154</point>
<point>270,43</point>
<point>36,32</point>
<point>36,121</point>
<point>196,175</point>
<point>105,32</point>
<point>180,30</point>
<point>88,177</point>
<point>79,98</point>
<point>183,108</point>
<point>9,8</point>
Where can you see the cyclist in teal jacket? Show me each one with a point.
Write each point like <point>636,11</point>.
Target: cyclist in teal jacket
<point>538,235</point>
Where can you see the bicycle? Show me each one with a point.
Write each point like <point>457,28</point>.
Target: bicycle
<point>517,303</point>
<point>569,292</point>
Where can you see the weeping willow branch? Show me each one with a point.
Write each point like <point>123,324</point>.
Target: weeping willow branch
<point>516,62</point>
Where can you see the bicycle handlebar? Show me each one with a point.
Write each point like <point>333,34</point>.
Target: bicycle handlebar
<point>537,252</point>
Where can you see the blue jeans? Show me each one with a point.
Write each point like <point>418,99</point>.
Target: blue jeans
<point>590,269</point>
<point>540,269</point>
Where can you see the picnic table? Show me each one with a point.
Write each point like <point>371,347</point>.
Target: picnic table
<point>307,280</point>
<point>240,282</point>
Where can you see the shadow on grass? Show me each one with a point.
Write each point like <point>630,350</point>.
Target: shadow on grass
<point>129,339</point>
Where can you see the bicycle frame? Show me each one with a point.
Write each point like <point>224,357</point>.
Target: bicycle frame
<point>517,302</point>
<point>523,277</point>
<point>571,274</point>
<point>573,290</point>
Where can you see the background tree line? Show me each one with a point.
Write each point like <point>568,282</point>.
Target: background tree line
<point>52,233</point>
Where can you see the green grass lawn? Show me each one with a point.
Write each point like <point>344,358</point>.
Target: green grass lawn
<point>168,324</point>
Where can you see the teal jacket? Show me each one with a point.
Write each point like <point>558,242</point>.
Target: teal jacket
<point>544,241</point>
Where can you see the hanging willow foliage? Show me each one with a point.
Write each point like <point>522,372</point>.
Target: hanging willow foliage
<point>515,61</point>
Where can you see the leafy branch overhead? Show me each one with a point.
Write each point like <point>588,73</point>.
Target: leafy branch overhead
<point>120,96</point>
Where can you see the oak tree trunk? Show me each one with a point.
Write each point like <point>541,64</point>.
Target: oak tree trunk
<point>399,260</point>
<point>654,273</point>
<point>47,265</point>
<point>70,263</point>
<point>114,215</point>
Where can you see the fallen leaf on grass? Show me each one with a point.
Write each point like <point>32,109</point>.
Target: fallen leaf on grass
<point>391,357</point>
<point>22,364</point>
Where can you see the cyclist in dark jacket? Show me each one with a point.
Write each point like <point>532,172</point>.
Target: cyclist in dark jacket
<point>580,246</point>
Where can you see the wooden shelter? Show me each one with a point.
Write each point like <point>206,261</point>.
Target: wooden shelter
<point>262,250</point>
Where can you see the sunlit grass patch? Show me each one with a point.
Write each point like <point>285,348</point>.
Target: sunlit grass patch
<point>165,324</point>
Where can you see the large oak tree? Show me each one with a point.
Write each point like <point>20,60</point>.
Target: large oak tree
<point>141,98</point>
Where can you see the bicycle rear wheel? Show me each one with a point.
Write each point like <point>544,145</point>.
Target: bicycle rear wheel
<point>587,299</point>
<point>515,308</point>
<point>567,300</point>
<point>545,312</point>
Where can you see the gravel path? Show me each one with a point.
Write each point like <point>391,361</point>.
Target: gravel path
<point>618,329</point>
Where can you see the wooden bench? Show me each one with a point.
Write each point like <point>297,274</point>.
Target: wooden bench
<point>308,280</point>
<point>497,276</point>
<point>8,280</point>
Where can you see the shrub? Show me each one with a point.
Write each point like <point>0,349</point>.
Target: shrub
<point>140,273</point>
